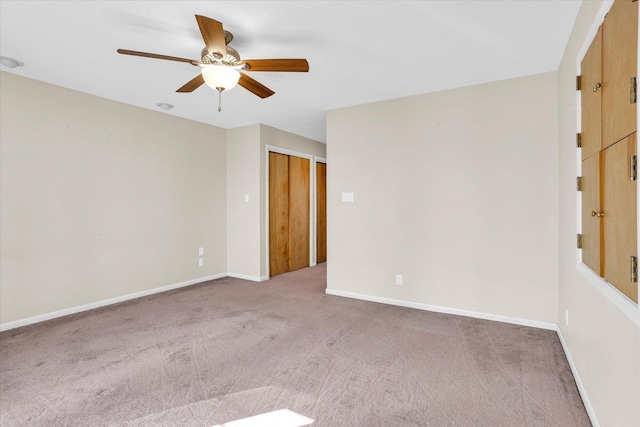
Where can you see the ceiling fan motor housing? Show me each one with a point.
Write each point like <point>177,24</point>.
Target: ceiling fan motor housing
<point>232,58</point>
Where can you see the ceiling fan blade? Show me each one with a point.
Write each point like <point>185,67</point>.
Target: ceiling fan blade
<point>254,86</point>
<point>294,65</point>
<point>213,36</point>
<point>156,56</point>
<point>192,84</point>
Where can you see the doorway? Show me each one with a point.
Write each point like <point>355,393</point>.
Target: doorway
<point>289,212</point>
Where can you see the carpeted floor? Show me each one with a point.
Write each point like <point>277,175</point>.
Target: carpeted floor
<point>229,349</point>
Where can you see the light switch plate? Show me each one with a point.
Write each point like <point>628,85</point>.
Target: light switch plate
<point>200,251</point>
<point>246,198</point>
<point>347,196</point>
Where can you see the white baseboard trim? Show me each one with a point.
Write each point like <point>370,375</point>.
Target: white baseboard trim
<point>583,392</point>
<point>446,310</point>
<point>98,304</point>
<point>247,277</point>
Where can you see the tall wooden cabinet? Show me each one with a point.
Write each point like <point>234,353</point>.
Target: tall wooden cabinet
<point>609,150</point>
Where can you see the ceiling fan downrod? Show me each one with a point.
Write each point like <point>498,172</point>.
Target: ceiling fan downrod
<point>219,89</point>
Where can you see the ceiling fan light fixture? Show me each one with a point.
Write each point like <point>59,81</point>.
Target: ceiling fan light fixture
<point>220,77</point>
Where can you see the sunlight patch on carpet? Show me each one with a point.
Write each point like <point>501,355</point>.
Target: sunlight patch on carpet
<point>279,418</point>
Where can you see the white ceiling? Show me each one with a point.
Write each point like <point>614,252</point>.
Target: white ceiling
<point>358,51</point>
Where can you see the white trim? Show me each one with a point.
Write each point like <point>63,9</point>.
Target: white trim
<point>98,304</point>
<point>447,310</point>
<point>314,241</point>
<point>247,277</point>
<point>617,298</point>
<point>583,392</point>
<point>286,151</point>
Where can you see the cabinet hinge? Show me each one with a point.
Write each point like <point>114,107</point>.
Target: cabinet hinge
<point>578,140</point>
<point>579,183</point>
<point>579,241</point>
<point>578,82</point>
<point>633,95</point>
<point>634,269</point>
<point>633,167</point>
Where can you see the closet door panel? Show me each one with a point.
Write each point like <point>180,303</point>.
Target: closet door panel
<point>299,201</point>
<point>591,224</point>
<point>591,101</point>
<point>619,198</point>
<point>321,214</point>
<point>278,214</point>
<point>619,65</point>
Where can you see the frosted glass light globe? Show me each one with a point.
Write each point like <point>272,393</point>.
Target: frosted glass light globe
<point>220,76</point>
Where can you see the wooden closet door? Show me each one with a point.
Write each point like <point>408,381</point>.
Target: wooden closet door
<point>321,213</point>
<point>278,214</point>
<point>299,211</point>
<point>591,224</point>
<point>591,101</point>
<point>619,65</point>
<point>619,198</point>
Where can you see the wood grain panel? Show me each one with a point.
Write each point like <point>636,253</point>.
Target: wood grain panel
<point>278,214</point>
<point>591,225</point>
<point>299,169</point>
<point>619,195</point>
<point>591,102</point>
<point>321,214</point>
<point>619,65</point>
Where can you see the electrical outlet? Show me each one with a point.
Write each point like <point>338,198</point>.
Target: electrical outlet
<point>200,251</point>
<point>566,317</point>
<point>399,279</point>
<point>201,262</point>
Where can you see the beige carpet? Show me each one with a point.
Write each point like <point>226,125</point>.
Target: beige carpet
<point>229,349</point>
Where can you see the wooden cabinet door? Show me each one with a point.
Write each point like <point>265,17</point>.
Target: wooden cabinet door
<point>321,212</point>
<point>591,101</point>
<point>619,65</point>
<point>591,222</point>
<point>619,198</point>
<point>299,212</point>
<point>278,214</point>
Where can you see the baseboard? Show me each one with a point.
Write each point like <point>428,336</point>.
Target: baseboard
<point>247,277</point>
<point>446,310</point>
<point>98,304</point>
<point>583,392</point>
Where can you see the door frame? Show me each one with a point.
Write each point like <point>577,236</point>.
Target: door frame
<point>312,182</point>
<point>316,160</point>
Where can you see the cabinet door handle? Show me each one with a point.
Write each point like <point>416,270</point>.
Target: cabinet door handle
<point>598,214</point>
<point>597,86</point>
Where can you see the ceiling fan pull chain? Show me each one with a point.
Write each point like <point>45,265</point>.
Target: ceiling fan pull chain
<point>219,99</point>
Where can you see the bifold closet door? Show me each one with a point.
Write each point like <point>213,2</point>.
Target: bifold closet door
<point>619,199</point>
<point>278,214</point>
<point>321,213</point>
<point>289,213</point>
<point>299,212</point>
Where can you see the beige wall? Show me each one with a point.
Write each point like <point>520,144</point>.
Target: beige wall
<point>243,218</point>
<point>456,191</point>
<point>100,199</point>
<point>247,174</point>
<point>603,342</point>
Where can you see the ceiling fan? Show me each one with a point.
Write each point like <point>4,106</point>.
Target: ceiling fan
<point>221,67</point>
